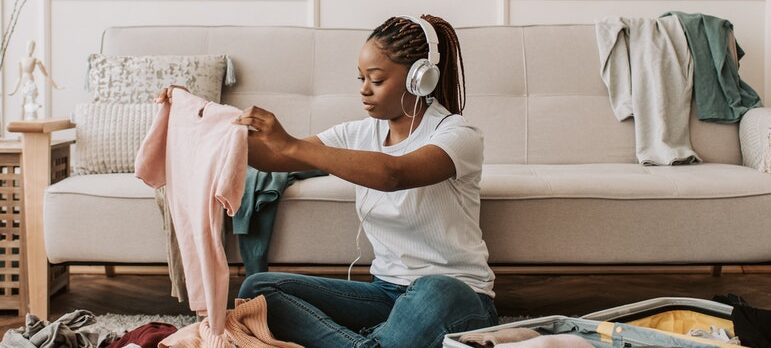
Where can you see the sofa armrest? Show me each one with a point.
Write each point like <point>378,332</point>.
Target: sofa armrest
<point>753,136</point>
<point>36,167</point>
<point>40,126</point>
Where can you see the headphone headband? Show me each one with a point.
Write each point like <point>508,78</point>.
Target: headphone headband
<point>431,37</point>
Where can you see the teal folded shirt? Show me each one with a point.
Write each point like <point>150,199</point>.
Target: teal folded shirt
<point>253,222</point>
<point>719,94</point>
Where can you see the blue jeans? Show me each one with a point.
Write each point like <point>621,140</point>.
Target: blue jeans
<point>322,312</point>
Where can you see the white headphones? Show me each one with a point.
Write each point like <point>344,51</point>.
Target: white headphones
<point>424,74</point>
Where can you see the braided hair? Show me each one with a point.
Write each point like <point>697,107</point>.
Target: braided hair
<point>404,42</point>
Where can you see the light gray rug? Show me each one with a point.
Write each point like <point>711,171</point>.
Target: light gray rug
<point>504,319</point>
<point>120,323</point>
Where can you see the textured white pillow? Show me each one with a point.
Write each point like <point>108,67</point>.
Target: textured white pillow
<point>137,79</point>
<point>108,136</point>
<point>766,163</point>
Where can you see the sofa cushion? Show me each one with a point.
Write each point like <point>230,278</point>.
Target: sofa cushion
<point>118,185</point>
<point>529,214</point>
<point>610,231</point>
<point>625,213</point>
<point>109,135</point>
<point>622,181</point>
<point>114,218</point>
<point>137,79</point>
<point>103,218</point>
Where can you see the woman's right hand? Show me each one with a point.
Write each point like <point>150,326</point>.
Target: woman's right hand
<point>165,94</point>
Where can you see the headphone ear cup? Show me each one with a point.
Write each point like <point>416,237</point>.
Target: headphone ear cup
<point>422,78</point>
<point>428,79</point>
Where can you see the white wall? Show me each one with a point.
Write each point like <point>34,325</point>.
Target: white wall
<point>68,30</point>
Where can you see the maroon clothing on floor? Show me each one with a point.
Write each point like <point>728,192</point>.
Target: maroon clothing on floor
<point>145,336</point>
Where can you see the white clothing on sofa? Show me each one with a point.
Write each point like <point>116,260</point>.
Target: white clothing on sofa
<point>426,230</point>
<point>647,67</point>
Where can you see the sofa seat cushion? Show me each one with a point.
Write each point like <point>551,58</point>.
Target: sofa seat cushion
<point>117,185</point>
<point>625,214</point>
<point>114,218</point>
<point>530,214</point>
<point>103,218</point>
<point>324,188</point>
<point>622,181</point>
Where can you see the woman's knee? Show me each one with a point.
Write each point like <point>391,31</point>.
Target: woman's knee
<point>449,295</point>
<point>259,283</point>
<point>431,307</point>
<point>433,285</point>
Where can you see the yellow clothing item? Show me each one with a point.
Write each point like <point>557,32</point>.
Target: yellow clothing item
<point>682,321</point>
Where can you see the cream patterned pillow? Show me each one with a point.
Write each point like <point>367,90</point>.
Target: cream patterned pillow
<point>108,136</point>
<point>766,164</point>
<point>137,79</point>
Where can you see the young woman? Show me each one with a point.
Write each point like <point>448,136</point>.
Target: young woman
<point>417,165</point>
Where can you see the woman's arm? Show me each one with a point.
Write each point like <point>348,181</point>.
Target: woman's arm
<point>425,166</point>
<point>260,156</point>
<point>263,158</point>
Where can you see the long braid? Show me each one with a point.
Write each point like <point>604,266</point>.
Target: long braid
<point>404,43</point>
<point>453,90</point>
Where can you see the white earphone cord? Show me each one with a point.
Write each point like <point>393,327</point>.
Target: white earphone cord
<point>363,198</point>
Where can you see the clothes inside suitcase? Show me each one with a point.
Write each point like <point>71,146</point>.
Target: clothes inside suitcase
<point>660,322</point>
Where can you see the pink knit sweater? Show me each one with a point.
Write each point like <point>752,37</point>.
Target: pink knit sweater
<point>201,157</point>
<point>246,326</point>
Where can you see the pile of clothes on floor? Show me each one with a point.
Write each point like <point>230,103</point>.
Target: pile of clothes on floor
<point>752,326</point>
<point>245,326</point>
<point>78,329</point>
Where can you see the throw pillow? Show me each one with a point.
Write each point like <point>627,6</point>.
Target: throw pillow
<point>108,136</point>
<point>766,164</point>
<point>137,79</point>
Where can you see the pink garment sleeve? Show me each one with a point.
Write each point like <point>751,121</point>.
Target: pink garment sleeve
<point>230,181</point>
<point>228,191</point>
<point>150,163</point>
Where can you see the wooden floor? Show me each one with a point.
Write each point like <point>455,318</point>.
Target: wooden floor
<point>529,295</point>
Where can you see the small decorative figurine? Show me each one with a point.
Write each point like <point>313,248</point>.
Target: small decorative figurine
<point>26,80</point>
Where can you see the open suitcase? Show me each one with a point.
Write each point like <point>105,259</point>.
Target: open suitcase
<point>662,322</point>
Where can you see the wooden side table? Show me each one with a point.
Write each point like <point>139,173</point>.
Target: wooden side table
<point>27,168</point>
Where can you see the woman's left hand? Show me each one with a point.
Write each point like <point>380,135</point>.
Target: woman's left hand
<point>266,128</point>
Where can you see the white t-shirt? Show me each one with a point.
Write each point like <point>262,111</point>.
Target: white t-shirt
<point>431,229</point>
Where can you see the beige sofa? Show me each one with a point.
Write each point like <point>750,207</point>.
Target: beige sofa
<point>560,183</point>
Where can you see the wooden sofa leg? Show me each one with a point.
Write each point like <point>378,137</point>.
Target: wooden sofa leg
<point>109,271</point>
<point>59,279</point>
<point>717,270</point>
